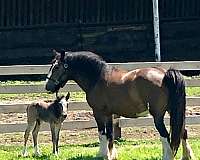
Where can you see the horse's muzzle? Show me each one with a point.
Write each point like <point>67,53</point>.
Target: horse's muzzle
<point>51,87</point>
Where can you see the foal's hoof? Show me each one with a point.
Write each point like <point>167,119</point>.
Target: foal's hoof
<point>55,154</point>
<point>37,154</point>
<point>24,154</point>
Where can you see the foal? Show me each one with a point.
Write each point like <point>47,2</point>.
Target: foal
<point>53,113</point>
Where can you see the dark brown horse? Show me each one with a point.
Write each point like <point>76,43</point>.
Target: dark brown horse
<point>111,90</point>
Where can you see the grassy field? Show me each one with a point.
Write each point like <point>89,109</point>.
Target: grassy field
<point>127,150</point>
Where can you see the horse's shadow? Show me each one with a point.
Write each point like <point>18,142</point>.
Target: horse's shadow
<point>81,157</point>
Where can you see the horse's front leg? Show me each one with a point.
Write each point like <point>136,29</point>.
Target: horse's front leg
<point>109,135</point>
<point>105,129</point>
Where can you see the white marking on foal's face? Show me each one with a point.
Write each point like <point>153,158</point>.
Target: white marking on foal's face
<point>64,104</point>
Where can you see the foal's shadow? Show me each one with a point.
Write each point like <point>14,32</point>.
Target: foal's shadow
<point>42,157</point>
<point>86,158</point>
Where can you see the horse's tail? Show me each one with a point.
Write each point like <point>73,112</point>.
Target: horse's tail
<point>175,83</point>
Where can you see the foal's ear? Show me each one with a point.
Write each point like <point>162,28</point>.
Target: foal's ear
<point>67,97</point>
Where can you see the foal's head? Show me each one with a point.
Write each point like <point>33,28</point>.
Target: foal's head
<point>58,73</point>
<point>60,107</point>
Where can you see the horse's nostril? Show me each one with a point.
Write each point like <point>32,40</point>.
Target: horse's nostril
<point>65,116</point>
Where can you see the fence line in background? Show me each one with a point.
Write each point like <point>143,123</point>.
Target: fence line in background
<point>72,87</point>
<point>43,69</point>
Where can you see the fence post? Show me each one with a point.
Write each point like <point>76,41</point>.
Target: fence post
<point>156,30</point>
<point>116,128</point>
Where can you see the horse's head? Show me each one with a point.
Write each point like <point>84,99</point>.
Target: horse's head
<point>58,73</point>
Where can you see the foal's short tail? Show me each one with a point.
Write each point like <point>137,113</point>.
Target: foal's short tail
<point>174,81</point>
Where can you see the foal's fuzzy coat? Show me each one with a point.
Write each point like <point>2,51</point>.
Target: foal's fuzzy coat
<point>53,113</point>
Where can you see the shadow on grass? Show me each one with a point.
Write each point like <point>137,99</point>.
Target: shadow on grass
<point>95,144</point>
<point>49,157</point>
<point>42,157</point>
<point>85,158</point>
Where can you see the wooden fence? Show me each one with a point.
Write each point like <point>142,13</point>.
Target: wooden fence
<point>72,87</point>
<point>32,13</point>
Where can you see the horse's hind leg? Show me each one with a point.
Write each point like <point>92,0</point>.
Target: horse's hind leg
<point>187,151</point>
<point>29,128</point>
<point>35,137</point>
<point>164,137</point>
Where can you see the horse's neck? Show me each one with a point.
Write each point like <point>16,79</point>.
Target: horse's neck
<point>87,76</point>
<point>85,82</point>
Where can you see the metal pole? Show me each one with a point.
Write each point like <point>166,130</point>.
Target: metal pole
<point>156,30</point>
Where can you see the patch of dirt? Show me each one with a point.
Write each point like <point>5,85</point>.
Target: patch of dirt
<point>87,135</point>
<point>73,115</point>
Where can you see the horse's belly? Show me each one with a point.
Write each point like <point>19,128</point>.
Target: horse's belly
<point>130,110</point>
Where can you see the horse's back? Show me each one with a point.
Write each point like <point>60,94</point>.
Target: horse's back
<point>129,93</point>
<point>142,88</point>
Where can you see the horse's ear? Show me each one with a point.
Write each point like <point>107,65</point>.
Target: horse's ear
<point>56,54</point>
<point>62,55</point>
<point>67,97</point>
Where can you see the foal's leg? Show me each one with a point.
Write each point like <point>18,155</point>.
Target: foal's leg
<point>29,128</point>
<point>164,137</point>
<point>35,137</point>
<point>53,134</point>
<point>57,131</point>
<point>187,151</point>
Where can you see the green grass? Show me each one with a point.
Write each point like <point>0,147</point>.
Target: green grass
<point>193,91</point>
<point>127,150</point>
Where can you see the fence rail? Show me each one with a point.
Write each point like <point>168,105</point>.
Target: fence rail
<point>72,87</point>
<point>43,69</point>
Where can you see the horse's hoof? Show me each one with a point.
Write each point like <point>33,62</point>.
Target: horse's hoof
<point>188,158</point>
<point>113,154</point>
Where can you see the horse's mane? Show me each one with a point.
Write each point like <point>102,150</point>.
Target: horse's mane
<point>85,60</point>
<point>85,57</point>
